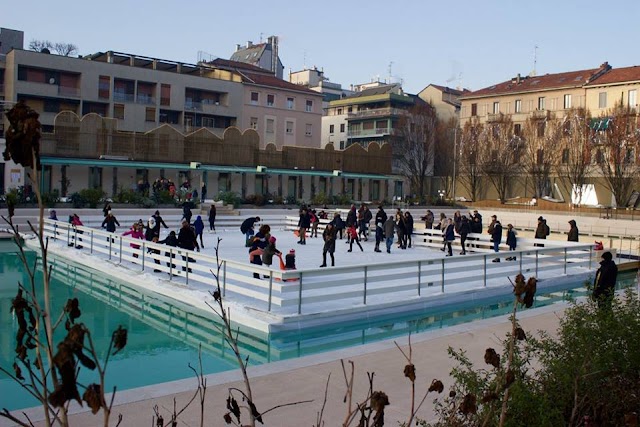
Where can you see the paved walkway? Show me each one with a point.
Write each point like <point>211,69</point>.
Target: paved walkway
<point>305,378</point>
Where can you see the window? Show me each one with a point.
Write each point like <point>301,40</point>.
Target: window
<point>270,125</point>
<point>602,100</point>
<point>165,94</point>
<point>118,111</point>
<point>289,128</point>
<point>599,157</point>
<point>308,130</point>
<point>474,110</point>
<point>541,103</point>
<point>104,87</point>
<point>150,114</point>
<point>565,156</point>
<point>339,112</point>
<point>208,122</point>
<point>517,129</point>
<point>518,106</point>
<point>253,123</point>
<point>271,100</point>
<point>290,103</point>
<point>541,127</point>
<point>496,108</point>
<point>342,145</point>
<point>255,97</point>
<point>308,106</point>
<point>567,102</point>
<point>349,109</point>
<point>342,127</point>
<point>633,100</point>
<point>331,128</point>
<point>51,106</point>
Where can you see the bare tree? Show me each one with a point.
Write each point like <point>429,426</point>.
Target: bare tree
<point>40,45</point>
<point>574,165</point>
<point>541,138</point>
<point>414,145</point>
<point>617,139</point>
<point>500,160</point>
<point>469,153</point>
<point>64,49</point>
<point>445,155</point>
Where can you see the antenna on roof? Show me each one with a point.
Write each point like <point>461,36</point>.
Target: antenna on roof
<point>261,34</point>
<point>535,60</point>
<point>390,65</point>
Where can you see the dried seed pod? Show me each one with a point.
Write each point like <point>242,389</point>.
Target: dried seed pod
<point>410,372</point>
<point>119,339</point>
<point>216,295</point>
<point>227,418</point>
<point>92,396</point>
<point>72,308</point>
<point>492,358</point>
<point>17,372</point>
<point>23,136</point>
<point>379,400</point>
<point>452,394</point>
<point>489,396</point>
<point>520,335</point>
<point>232,406</point>
<point>468,405</point>
<point>436,385</point>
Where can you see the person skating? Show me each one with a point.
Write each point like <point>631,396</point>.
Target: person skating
<point>75,221</point>
<point>159,222</point>
<point>449,236</point>
<point>270,251</point>
<point>212,217</point>
<point>187,240</point>
<point>329,237</point>
<point>379,236</point>
<point>573,232</point>
<point>170,240</point>
<point>476,222</point>
<point>465,229</point>
<point>136,233</point>
<point>247,228</point>
<point>110,222</point>
<point>381,215</point>
<point>389,229</point>
<point>150,236</point>
<point>198,227</point>
<point>408,222</point>
<point>496,236</point>
<point>258,244</point>
<point>186,211</point>
<point>368,216</point>
<point>352,219</point>
<point>315,221</point>
<point>512,240</point>
<point>304,223</point>
<point>542,230</point>
<point>428,219</point>
<point>352,234</point>
<point>338,224</point>
<point>290,260</point>
<point>401,230</point>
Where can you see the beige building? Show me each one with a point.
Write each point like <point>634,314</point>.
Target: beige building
<point>445,100</point>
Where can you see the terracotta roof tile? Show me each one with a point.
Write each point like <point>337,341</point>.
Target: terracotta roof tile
<point>273,81</point>
<point>618,75</point>
<point>229,64</point>
<point>538,83</point>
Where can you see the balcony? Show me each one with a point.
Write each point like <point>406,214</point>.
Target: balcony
<point>376,112</point>
<point>122,97</point>
<point>493,117</point>
<point>145,99</point>
<point>540,114</point>
<point>369,132</point>
<point>68,91</point>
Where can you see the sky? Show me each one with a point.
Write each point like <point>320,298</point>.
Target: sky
<point>468,43</point>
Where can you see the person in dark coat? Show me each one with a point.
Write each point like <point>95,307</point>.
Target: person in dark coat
<point>408,222</point>
<point>106,209</point>
<point>170,240</point>
<point>159,222</point>
<point>246,228</point>
<point>379,236</point>
<point>198,227</point>
<point>512,240</point>
<point>110,222</point>
<point>428,220</point>
<point>401,229</point>
<point>338,225</point>
<point>389,228</point>
<point>573,232</point>
<point>187,240</point>
<point>496,236</point>
<point>270,251</point>
<point>258,243</point>
<point>352,219</point>
<point>329,237</point>
<point>150,236</point>
<point>605,282</point>
<point>367,217</point>
<point>212,217</point>
<point>476,222</point>
<point>542,230</point>
<point>465,229</point>
<point>449,236</point>
<point>381,215</point>
<point>186,211</point>
<point>304,223</point>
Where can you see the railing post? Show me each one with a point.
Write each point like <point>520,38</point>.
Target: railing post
<point>110,246</point>
<point>590,256</point>
<point>484,257</point>
<point>55,230</point>
<point>120,254</point>
<point>170,264</point>
<point>300,295</point>
<point>186,267</point>
<point>565,260</point>
<point>419,276</point>
<point>521,255</point>
<point>270,290</point>
<point>365,285</point>
<point>68,233</point>
<point>91,244</point>
<point>537,253</point>
<point>142,254</point>
<point>442,276</point>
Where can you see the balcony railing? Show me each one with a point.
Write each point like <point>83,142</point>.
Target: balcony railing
<point>377,112</point>
<point>540,114</point>
<point>122,97</point>
<point>369,132</point>
<point>68,91</point>
<point>145,99</point>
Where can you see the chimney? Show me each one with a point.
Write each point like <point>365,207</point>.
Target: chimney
<point>237,47</point>
<point>249,43</point>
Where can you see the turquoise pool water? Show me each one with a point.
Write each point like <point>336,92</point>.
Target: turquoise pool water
<point>164,334</point>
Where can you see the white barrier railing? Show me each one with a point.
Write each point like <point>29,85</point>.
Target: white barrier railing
<point>339,287</point>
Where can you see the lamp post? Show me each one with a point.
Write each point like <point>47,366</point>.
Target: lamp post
<point>441,193</point>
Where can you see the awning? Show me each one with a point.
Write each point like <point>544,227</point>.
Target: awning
<point>600,123</point>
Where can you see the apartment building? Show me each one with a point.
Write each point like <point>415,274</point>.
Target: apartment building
<point>445,100</point>
<point>619,86</point>
<point>262,55</point>
<point>314,79</point>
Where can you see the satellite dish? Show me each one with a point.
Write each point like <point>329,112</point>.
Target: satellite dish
<point>52,81</point>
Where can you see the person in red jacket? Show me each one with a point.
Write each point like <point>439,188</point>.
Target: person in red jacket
<point>352,234</point>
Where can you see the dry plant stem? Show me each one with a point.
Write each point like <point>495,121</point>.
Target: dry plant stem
<point>512,344</point>
<point>101,373</point>
<point>319,421</point>
<point>349,393</point>
<point>413,383</point>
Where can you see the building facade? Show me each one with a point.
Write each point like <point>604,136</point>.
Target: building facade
<point>445,101</point>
